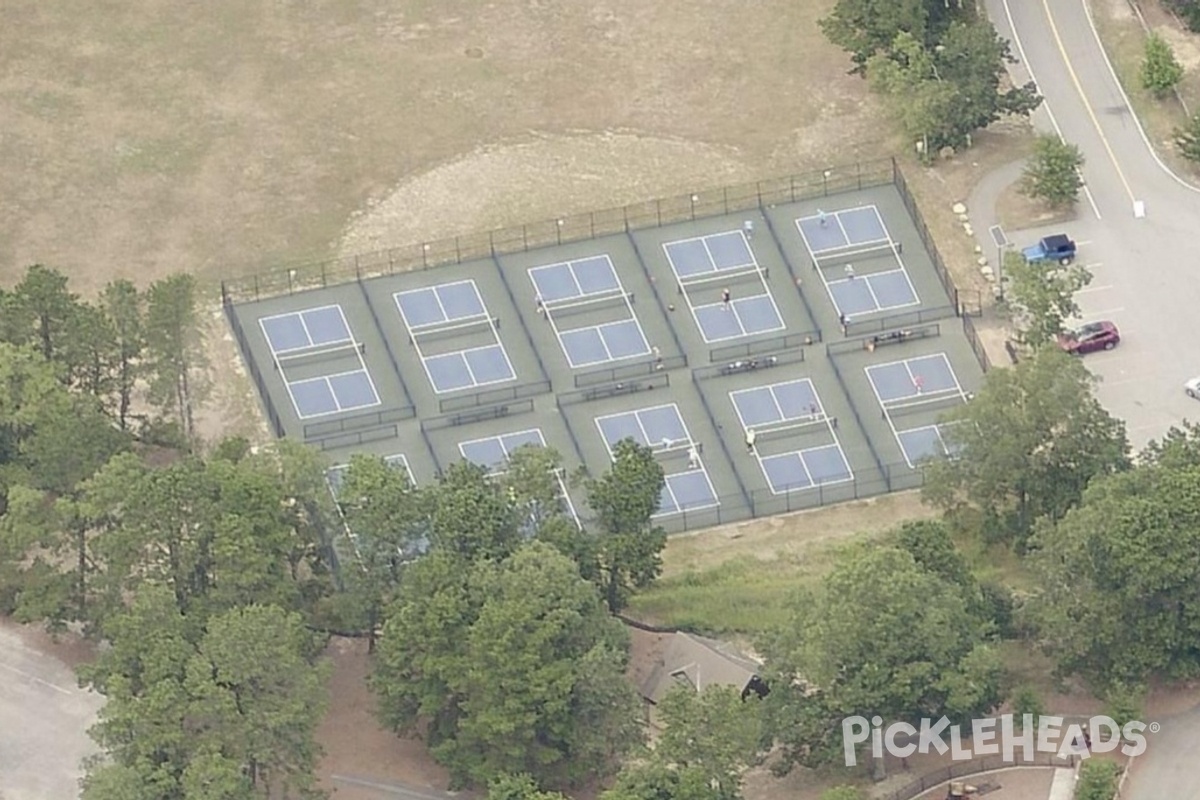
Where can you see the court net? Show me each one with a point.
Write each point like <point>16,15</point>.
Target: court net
<point>797,428</point>
<point>565,308</point>
<point>840,258</point>
<point>352,350</point>
<point>673,448</point>
<point>732,277</point>
<point>932,404</point>
<point>455,329</point>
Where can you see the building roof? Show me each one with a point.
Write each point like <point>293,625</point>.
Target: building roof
<point>698,662</point>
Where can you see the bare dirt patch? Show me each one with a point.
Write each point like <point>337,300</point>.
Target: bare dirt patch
<point>357,749</point>
<point>1016,211</point>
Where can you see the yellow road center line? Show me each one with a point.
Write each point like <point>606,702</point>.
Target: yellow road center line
<point>1091,113</point>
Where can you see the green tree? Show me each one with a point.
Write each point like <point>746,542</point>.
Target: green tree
<point>1179,448</point>
<point>219,534</point>
<point>930,545</point>
<point>1129,561</point>
<point>864,28</point>
<point>193,703</point>
<point>625,500</point>
<point>123,307</point>
<point>387,516</point>
<point>1026,701</point>
<point>1042,298</point>
<point>1053,172</point>
<point>714,731</point>
<point>1027,445</point>
<point>922,103</point>
<point>472,516</point>
<point>45,307</point>
<point>1097,780</point>
<point>518,787</point>
<point>1161,71</point>
<point>1188,11</point>
<point>515,667</point>
<point>1187,138</point>
<point>941,94</point>
<point>257,691</point>
<point>655,780</point>
<point>1123,702</point>
<point>975,59</point>
<point>534,481</point>
<point>175,359</point>
<point>90,352</point>
<point>882,636</point>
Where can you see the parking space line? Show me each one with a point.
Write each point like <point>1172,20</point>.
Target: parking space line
<point>1087,289</point>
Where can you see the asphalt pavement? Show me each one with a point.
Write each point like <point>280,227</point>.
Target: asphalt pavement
<point>1137,220</point>
<point>1136,228</point>
<point>44,717</point>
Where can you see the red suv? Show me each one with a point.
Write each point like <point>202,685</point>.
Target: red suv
<point>1090,338</point>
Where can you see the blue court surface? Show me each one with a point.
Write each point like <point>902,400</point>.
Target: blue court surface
<point>879,291</point>
<point>469,369</point>
<point>336,475</point>
<point>771,405</point>
<point>920,444</point>
<point>662,428</point>
<point>841,230</point>
<point>792,408</point>
<point>717,263</point>
<point>806,469</point>
<point>492,452</point>
<point>917,385</point>
<point>455,310</point>
<point>705,256</point>
<point>303,330</point>
<point>589,285</point>
<point>433,306</point>
<point>333,394</point>
<point>743,316</point>
<point>304,339</point>
<point>601,344</point>
<point>572,280</point>
<point>913,377</point>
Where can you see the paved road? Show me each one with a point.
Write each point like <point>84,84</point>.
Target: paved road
<point>1145,276</point>
<point>43,719</point>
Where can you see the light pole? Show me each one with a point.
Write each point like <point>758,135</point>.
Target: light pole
<point>1002,244</point>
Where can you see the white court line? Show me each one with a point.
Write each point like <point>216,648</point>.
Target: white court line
<point>874,297</point>
<point>839,211</point>
<point>838,218</point>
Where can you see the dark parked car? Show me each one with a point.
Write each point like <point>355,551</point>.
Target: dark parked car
<point>1090,338</point>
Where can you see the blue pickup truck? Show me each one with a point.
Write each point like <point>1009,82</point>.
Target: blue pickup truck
<point>1058,247</point>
